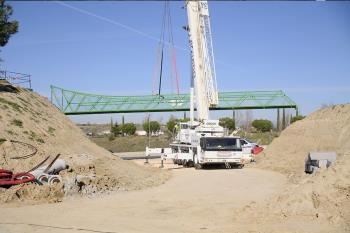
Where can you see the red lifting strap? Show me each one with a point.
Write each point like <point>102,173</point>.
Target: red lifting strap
<point>7,178</point>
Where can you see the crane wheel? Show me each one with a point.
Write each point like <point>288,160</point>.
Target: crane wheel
<point>196,163</point>
<point>197,166</point>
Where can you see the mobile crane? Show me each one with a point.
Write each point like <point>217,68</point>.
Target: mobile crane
<point>203,141</point>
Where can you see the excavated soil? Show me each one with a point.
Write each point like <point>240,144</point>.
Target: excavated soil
<point>28,117</point>
<point>320,201</point>
<point>325,130</point>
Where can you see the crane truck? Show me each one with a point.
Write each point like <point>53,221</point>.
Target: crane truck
<point>202,141</point>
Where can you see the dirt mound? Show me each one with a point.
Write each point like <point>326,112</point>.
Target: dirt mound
<point>321,199</point>
<point>324,130</point>
<point>30,118</point>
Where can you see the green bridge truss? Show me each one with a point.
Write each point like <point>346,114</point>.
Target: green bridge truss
<point>75,103</point>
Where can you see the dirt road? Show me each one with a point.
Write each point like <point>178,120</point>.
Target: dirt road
<point>191,201</point>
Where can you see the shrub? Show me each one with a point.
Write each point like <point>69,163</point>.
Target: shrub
<point>51,130</point>
<point>16,122</point>
<point>227,123</point>
<point>115,130</point>
<point>153,126</point>
<point>40,140</point>
<point>128,128</point>
<point>111,137</point>
<point>296,118</point>
<point>171,124</point>
<point>262,125</point>
<point>14,106</point>
<point>173,121</point>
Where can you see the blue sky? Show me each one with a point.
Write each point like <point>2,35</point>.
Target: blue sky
<point>302,48</point>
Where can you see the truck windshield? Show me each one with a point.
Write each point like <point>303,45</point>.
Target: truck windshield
<point>227,144</point>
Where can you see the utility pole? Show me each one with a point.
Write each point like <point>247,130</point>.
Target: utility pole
<point>283,119</point>
<point>278,120</point>
<point>149,130</point>
<point>234,118</point>
<point>149,137</point>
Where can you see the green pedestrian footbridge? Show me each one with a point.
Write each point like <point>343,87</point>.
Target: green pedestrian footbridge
<point>79,103</point>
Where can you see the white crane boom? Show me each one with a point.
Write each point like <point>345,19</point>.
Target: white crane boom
<point>203,66</point>
<point>203,142</point>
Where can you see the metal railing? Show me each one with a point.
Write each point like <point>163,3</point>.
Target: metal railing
<point>75,103</point>
<point>15,78</point>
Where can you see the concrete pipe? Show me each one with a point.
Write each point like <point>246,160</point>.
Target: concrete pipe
<point>54,179</point>
<point>43,178</point>
<point>56,167</point>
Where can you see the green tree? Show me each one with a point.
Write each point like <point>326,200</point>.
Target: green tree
<point>171,124</point>
<point>128,128</point>
<point>7,28</point>
<point>227,123</point>
<point>153,126</point>
<point>262,125</point>
<point>115,130</point>
<point>296,118</point>
<point>173,121</point>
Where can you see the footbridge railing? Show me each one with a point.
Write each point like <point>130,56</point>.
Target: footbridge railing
<point>75,103</point>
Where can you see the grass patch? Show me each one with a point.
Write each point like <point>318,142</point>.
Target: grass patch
<point>40,140</point>
<point>10,132</point>
<point>51,130</point>
<point>131,143</point>
<point>35,120</point>
<point>44,104</point>
<point>17,122</point>
<point>4,107</point>
<point>33,134</point>
<point>24,101</point>
<point>34,137</point>
<point>14,106</point>
<point>2,140</point>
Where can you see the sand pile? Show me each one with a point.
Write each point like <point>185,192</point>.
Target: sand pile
<point>28,117</point>
<point>324,130</point>
<point>320,199</point>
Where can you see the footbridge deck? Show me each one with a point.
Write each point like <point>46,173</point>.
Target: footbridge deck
<point>75,103</point>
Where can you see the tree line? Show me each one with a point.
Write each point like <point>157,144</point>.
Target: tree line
<point>128,129</point>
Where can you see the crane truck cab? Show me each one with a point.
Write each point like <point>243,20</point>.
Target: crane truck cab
<point>204,143</point>
<point>219,150</point>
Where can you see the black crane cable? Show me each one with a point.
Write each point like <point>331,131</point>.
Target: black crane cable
<point>35,150</point>
<point>161,72</point>
<point>41,163</point>
<point>161,43</point>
